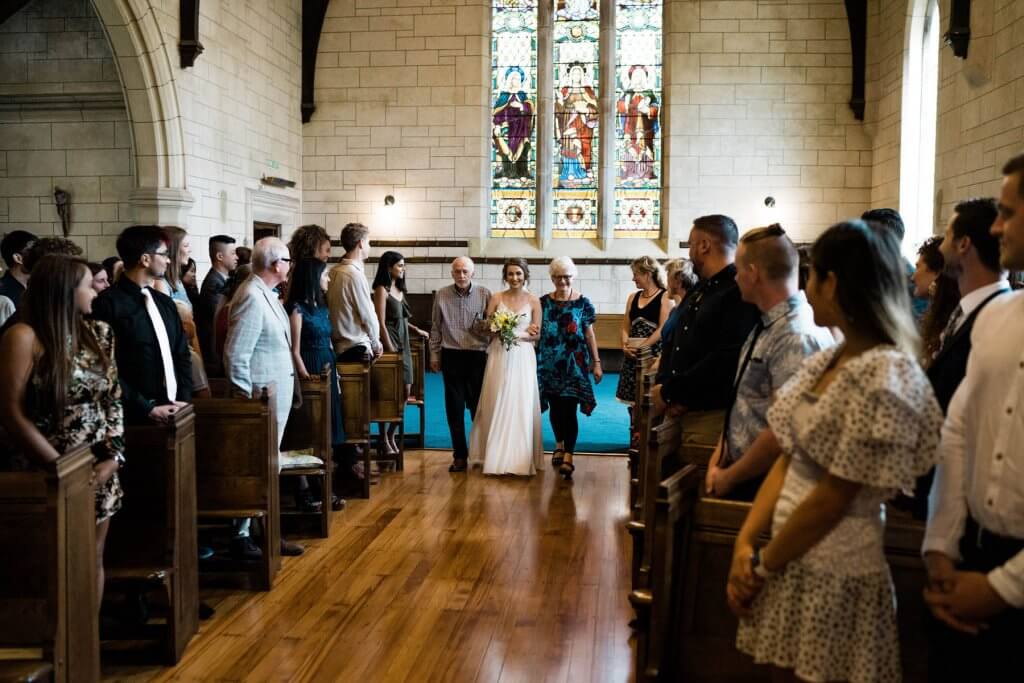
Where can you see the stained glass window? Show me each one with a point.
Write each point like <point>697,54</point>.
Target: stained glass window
<point>638,119</point>
<point>576,33</point>
<point>514,118</point>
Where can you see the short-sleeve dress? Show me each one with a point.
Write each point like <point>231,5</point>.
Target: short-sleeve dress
<point>316,351</point>
<point>563,357</point>
<point>831,614</point>
<point>93,415</point>
<point>396,321</point>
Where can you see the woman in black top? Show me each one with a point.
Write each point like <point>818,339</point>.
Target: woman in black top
<point>646,313</point>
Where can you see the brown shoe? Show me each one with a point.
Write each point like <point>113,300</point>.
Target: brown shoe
<point>459,465</point>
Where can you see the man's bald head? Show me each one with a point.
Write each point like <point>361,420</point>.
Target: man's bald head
<point>462,271</point>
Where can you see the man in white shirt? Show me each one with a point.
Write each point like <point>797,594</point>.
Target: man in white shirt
<point>974,545</point>
<point>355,330</point>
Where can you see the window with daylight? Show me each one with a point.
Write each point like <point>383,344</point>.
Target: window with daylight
<point>514,118</point>
<point>583,187</point>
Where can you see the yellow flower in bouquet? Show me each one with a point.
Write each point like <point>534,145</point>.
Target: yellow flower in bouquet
<point>504,323</point>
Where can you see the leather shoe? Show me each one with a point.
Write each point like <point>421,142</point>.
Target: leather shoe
<point>458,466</point>
<point>289,549</point>
<point>243,548</point>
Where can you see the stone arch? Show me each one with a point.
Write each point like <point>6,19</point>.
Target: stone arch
<point>150,93</point>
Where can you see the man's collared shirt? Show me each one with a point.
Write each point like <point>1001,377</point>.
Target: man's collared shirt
<point>454,314</point>
<point>705,345</point>
<point>353,318</point>
<point>789,336</point>
<point>981,456</point>
<point>971,300</point>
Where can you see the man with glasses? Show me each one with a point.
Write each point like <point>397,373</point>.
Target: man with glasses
<point>153,359</point>
<point>767,266</point>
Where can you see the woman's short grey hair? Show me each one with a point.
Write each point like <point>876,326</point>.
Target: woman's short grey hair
<point>562,264</point>
<point>267,252</point>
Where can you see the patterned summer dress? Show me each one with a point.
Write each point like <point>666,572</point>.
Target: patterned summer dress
<point>643,321</point>
<point>831,614</point>
<point>93,415</point>
<point>563,357</point>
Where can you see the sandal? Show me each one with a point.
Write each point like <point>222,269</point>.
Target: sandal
<point>566,470</point>
<point>557,458</point>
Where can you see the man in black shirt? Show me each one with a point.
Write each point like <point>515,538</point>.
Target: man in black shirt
<point>154,364</point>
<point>12,249</point>
<point>699,363</point>
<point>223,260</point>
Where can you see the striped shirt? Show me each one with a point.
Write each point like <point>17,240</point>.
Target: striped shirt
<point>453,318</point>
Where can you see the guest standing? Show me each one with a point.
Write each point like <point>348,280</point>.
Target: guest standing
<point>310,241</point>
<point>100,282</point>
<point>389,301</point>
<point>566,357</point>
<point>114,267</point>
<point>941,291</point>
<point>223,260</point>
<point>458,350</point>
<point>646,313</point>
<point>354,326</point>
<point>180,249</point>
<point>59,386</point>
<point>857,423</point>
<point>13,248</point>
<point>681,280</point>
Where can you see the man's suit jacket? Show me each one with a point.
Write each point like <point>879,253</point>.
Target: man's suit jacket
<point>210,298</point>
<point>139,364</point>
<point>258,350</point>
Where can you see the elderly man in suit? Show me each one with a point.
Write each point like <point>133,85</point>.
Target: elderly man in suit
<point>257,352</point>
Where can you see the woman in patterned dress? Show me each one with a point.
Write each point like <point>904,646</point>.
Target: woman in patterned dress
<point>566,357</point>
<point>857,423</point>
<point>58,384</point>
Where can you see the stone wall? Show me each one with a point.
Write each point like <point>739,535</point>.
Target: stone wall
<point>62,124</point>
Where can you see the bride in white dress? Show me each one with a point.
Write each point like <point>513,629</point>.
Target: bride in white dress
<point>506,435</point>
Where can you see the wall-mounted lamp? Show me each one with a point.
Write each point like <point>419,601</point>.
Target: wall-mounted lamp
<point>389,200</point>
<point>769,202</point>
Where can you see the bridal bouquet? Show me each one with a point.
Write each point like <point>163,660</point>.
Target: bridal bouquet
<point>504,323</point>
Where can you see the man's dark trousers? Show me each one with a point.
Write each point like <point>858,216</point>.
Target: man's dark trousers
<point>463,374</point>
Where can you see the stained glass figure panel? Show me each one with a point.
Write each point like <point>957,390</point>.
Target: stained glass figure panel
<point>638,97</point>
<point>576,30</point>
<point>513,118</point>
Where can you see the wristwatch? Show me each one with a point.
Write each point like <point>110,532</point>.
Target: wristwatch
<point>757,565</point>
<point>119,459</point>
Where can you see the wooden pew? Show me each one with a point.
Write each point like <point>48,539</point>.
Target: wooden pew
<point>673,516</point>
<point>387,402</point>
<point>637,462</point>
<point>309,428</point>
<point>704,630</point>
<point>152,542</point>
<point>237,473</point>
<point>355,408</point>
<point>48,618</point>
<point>608,331</point>
<point>419,388</point>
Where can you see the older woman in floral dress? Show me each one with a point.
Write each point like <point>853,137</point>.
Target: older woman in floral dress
<point>566,357</point>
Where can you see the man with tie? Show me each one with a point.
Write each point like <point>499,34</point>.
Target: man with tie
<point>153,359</point>
<point>974,544</point>
<point>766,273</point>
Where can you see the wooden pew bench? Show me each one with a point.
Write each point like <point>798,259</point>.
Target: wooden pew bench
<point>355,409</point>
<point>152,542</point>
<point>49,625</point>
<point>309,429</point>
<point>237,476</point>
<point>387,403</point>
<point>419,390</point>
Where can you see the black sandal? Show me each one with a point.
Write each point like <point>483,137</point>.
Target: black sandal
<point>557,457</point>
<point>566,469</point>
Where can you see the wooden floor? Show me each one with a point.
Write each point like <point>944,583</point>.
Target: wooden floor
<point>439,577</point>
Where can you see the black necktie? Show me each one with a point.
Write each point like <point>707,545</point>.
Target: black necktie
<point>758,329</point>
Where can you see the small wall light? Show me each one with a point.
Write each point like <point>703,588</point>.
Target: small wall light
<point>769,202</point>
<point>389,200</point>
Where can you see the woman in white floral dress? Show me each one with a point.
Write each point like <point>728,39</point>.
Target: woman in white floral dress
<point>857,423</point>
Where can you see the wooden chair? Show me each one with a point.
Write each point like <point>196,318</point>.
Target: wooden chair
<point>673,516</point>
<point>387,402</point>
<point>355,408</point>
<point>152,542</point>
<point>419,389</point>
<point>704,630</point>
<point>49,624</point>
<point>309,428</point>
<point>237,473</point>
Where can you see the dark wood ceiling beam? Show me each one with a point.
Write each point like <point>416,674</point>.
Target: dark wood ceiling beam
<point>189,46</point>
<point>959,34</point>
<point>857,18</point>
<point>313,13</point>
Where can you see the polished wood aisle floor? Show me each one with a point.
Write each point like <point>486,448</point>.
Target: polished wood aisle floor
<point>439,577</point>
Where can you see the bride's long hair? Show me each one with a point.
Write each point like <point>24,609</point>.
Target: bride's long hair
<point>521,263</point>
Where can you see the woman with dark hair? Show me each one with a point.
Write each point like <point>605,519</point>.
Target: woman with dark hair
<point>393,317</point>
<point>942,291</point>
<point>188,281</point>
<point>114,267</point>
<point>506,436</point>
<point>59,386</point>
<point>857,423</point>
<point>100,281</point>
<point>310,241</point>
<point>178,252</point>
<point>311,343</point>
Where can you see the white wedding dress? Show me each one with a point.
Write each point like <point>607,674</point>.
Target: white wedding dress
<point>506,436</point>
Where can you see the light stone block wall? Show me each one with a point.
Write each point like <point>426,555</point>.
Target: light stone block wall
<point>51,53</point>
<point>886,50</point>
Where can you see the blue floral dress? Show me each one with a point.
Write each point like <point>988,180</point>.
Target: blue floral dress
<point>563,357</point>
<point>316,350</point>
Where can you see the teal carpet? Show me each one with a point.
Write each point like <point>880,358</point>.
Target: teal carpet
<point>606,430</point>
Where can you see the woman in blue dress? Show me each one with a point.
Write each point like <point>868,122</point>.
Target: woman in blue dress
<point>311,338</point>
<point>566,357</point>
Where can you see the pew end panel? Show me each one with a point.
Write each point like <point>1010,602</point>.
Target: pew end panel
<point>237,472</point>
<point>419,390</point>
<point>153,541</point>
<point>48,578</point>
<point>387,403</point>
<point>355,408</point>
<point>309,429</point>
